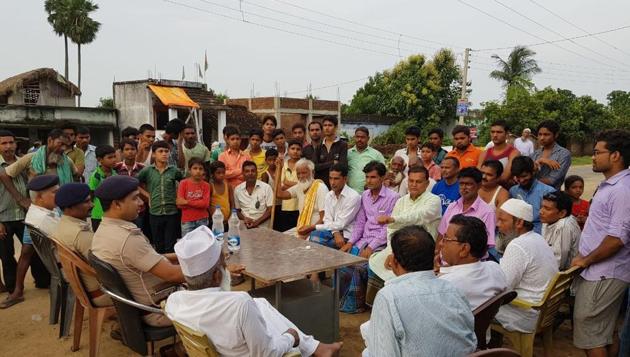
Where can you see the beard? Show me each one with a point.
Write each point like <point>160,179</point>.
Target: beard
<point>54,158</point>
<point>226,280</point>
<point>304,185</point>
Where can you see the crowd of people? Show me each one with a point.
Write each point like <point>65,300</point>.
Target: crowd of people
<point>442,231</point>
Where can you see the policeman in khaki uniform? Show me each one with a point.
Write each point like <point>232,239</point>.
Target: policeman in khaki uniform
<point>74,232</point>
<point>149,276</point>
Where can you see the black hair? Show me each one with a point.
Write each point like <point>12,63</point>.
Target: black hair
<point>196,161</point>
<point>452,158</point>
<point>298,126</point>
<point>68,125</point>
<point>522,165</point>
<point>160,144</point>
<point>418,168</point>
<point>473,231</point>
<point>146,127</point>
<point>256,132</point>
<point>248,163</point>
<point>215,166</point>
<point>429,146</point>
<point>271,153</point>
<point>330,119</point>
<point>413,248</point>
<point>471,172</point>
<point>270,118</point>
<point>294,142</point>
<point>437,131</point>
<point>190,126</point>
<point>496,165</point>
<point>362,129</point>
<point>277,132</point>
<point>105,204</point>
<point>6,133</point>
<point>374,165</point>
<point>502,123</point>
<point>529,226</point>
<point>550,125</point>
<point>104,150</point>
<point>129,131</point>
<point>175,126</point>
<point>127,141</point>
<point>414,131</point>
<point>562,200</point>
<point>461,129</point>
<point>617,140</point>
<point>341,168</point>
<point>56,134</point>
<point>231,130</point>
<point>568,182</point>
<point>316,122</point>
<point>83,130</point>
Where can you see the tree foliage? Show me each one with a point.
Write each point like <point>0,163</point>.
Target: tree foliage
<point>517,69</point>
<point>106,102</point>
<point>424,91</point>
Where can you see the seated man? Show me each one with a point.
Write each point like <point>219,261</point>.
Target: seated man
<point>462,247</point>
<point>528,264</point>
<point>340,209</point>
<point>74,232</point>
<point>253,198</point>
<point>560,229</point>
<point>311,195</point>
<point>234,323</point>
<point>416,314</point>
<point>369,236</point>
<point>149,276</point>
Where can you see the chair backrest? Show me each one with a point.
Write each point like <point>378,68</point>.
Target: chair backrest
<point>129,317</point>
<point>495,352</point>
<point>556,292</point>
<point>196,343</point>
<point>45,248</point>
<point>72,266</point>
<point>485,313</point>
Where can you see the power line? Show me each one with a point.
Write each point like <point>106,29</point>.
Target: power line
<point>576,78</point>
<point>330,85</point>
<point>579,28</point>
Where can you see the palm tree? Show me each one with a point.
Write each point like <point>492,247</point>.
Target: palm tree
<point>518,69</point>
<point>83,30</point>
<point>58,17</point>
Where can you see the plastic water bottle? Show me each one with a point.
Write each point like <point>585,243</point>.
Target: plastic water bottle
<point>234,233</point>
<point>217,224</point>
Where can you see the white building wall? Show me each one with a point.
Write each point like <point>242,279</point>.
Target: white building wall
<point>134,104</point>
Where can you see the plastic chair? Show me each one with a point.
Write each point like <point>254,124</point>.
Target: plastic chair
<point>485,313</point>
<point>136,334</point>
<point>555,295</point>
<point>72,266</point>
<point>61,297</point>
<point>495,352</point>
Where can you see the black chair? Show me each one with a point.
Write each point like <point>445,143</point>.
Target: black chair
<point>61,296</point>
<point>485,313</point>
<point>136,334</point>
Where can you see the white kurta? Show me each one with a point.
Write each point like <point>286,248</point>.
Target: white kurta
<point>478,282</point>
<point>236,324</point>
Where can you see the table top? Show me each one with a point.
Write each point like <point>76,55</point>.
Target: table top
<point>270,256</point>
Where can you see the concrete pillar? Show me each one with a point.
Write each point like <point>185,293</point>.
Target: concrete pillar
<point>221,123</point>
<point>276,110</point>
<point>172,113</point>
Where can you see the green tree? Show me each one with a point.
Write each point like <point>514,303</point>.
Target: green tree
<point>619,108</point>
<point>59,19</point>
<point>106,102</point>
<point>517,69</point>
<point>83,30</point>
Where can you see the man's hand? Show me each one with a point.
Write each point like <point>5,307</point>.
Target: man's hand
<point>554,165</point>
<point>339,241</point>
<point>366,252</point>
<point>181,202</point>
<point>25,202</point>
<point>346,247</point>
<point>248,222</point>
<point>580,261</point>
<point>295,335</point>
<point>305,230</point>
<point>3,231</point>
<point>279,162</point>
<point>235,269</point>
<point>384,220</point>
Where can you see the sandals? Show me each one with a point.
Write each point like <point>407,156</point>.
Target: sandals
<point>6,303</point>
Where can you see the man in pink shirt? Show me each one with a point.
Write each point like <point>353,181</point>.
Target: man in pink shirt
<point>233,157</point>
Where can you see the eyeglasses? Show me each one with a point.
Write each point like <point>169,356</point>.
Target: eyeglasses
<point>444,239</point>
<point>597,152</point>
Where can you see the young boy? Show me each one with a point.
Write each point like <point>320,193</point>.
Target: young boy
<point>193,197</point>
<point>106,157</point>
<point>411,153</point>
<point>221,193</point>
<point>269,176</point>
<point>256,152</point>
<point>269,124</point>
<point>128,166</point>
<point>281,142</point>
<point>287,217</point>
<point>299,133</point>
<point>158,183</point>
<point>233,157</point>
<point>427,155</point>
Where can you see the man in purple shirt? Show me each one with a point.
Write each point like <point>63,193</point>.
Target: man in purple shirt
<point>367,237</point>
<point>604,249</point>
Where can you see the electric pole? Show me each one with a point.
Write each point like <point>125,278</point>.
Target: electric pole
<point>464,96</point>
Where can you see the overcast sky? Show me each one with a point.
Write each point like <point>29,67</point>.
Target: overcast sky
<point>366,36</point>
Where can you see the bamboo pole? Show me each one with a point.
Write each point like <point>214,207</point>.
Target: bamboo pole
<point>276,183</point>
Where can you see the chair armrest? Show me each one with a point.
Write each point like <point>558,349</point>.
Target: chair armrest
<point>525,304</point>
<point>135,304</point>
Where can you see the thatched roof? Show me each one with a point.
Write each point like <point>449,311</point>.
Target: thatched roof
<point>17,82</point>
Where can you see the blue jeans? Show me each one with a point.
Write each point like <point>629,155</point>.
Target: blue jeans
<point>188,227</point>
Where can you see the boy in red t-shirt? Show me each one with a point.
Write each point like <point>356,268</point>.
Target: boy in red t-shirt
<point>193,197</point>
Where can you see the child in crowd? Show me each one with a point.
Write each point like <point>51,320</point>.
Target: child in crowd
<point>287,217</point>
<point>281,142</point>
<point>256,152</point>
<point>396,173</point>
<point>233,157</point>
<point>159,182</point>
<point>574,187</point>
<point>411,153</point>
<point>106,157</point>
<point>269,176</point>
<point>193,197</point>
<point>427,156</point>
<point>269,124</point>
<point>221,193</point>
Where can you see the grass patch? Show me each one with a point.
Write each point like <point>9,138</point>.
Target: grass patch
<point>581,160</point>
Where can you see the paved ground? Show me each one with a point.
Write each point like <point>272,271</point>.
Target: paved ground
<point>25,329</point>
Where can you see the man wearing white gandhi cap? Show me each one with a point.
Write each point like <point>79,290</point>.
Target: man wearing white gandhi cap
<point>236,324</point>
<point>528,264</point>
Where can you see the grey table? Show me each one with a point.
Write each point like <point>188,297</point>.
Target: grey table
<point>274,258</point>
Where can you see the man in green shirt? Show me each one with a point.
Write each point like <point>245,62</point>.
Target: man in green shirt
<point>159,183</point>
<point>359,156</point>
<point>191,147</point>
<point>106,157</point>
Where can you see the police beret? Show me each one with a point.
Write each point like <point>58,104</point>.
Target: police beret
<point>40,183</point>
<point>116,187</point>
<point>71,194</point>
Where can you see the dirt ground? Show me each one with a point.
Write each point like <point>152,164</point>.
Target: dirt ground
<point>26,332</point>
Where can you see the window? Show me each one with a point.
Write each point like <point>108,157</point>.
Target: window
<point>31,93</point>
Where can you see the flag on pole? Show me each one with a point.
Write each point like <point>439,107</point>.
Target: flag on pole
<point>199,68</point>
<point>205,62</point>
<point>183,73</point>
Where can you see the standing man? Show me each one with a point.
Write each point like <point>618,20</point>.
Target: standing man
<point>436,135</point>
<point>464,150</point>
<point>524,144</point>
<point>83,143</point>
<point>447,189</point>
<point>147,137</point>
<point>604,249</point>
<point>552,160</point>
<point>501,151</point>
<point>74,153</point>
<point>411,153</point>
<point>359,156</point>
<point>311,151</point>
<point>190,147</point>
<point>332,150</point>
<point>528,188</point>
<point>172,136</point>
<point>298,132</point>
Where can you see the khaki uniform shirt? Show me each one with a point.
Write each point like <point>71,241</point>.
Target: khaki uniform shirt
<point>77,235</point>
<point>122,244</point>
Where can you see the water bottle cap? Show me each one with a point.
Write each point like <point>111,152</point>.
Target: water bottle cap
<point>233,209</point>
<point>218,207</point>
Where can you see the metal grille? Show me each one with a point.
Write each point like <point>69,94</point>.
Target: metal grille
<point>31,93</point>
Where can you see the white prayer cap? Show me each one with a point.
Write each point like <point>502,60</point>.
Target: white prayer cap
<point>527,130</point>
<point>519,209</point>
<point>198,251</point>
